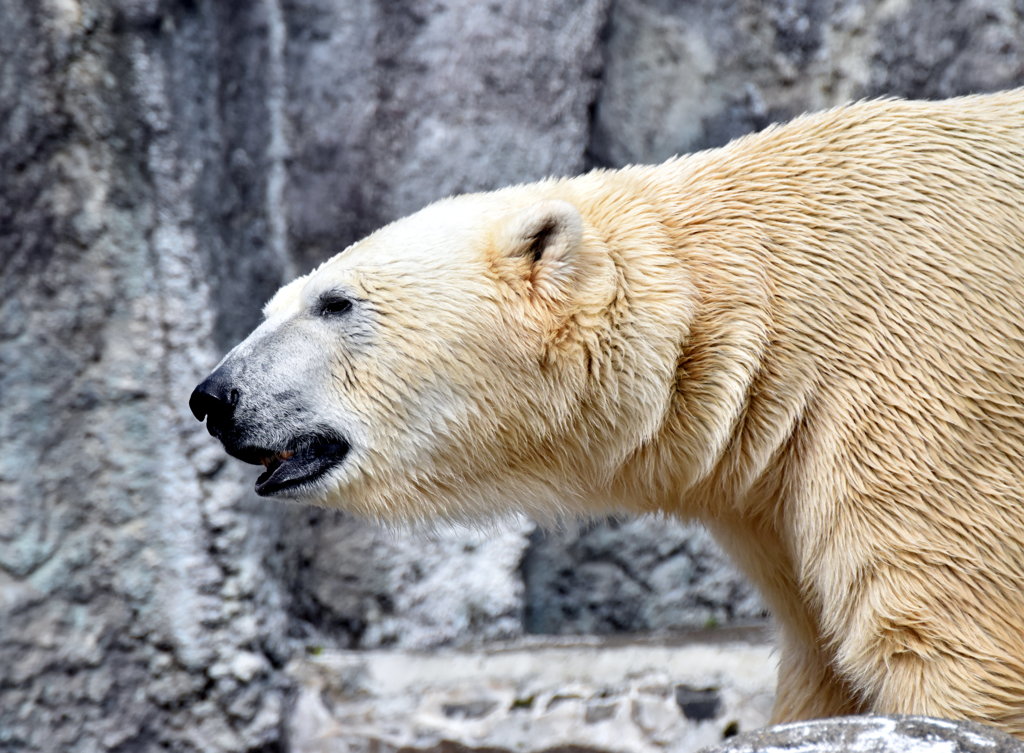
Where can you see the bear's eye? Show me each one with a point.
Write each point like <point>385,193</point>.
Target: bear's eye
<point>333,305</point>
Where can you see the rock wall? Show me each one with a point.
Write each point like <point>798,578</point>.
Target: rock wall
<point>166,164</point>
<point>137,607</point>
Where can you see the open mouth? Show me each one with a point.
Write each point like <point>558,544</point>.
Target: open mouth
<point>302,462</point>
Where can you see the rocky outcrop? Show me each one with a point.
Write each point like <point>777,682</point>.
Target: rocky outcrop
<point>165,164</point>
<point>874,734</point>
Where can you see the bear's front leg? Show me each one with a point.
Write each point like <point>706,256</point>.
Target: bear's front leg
<point>808,686</point>
<point>943,646</point>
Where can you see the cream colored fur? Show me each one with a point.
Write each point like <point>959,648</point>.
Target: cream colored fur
<point>812,340</point>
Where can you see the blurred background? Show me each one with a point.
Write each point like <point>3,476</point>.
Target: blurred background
<point>166,164</point>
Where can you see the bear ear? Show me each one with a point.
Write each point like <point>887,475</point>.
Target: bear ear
<point>548,236</point>
<point>546,231</point>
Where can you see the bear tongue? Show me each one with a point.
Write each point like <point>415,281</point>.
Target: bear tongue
<point>280,457</point>
<point>286,469</point>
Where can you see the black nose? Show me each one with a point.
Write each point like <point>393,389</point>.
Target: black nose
<point>215,400</point>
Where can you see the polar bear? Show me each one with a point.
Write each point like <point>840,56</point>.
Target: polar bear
<point>812,340</point>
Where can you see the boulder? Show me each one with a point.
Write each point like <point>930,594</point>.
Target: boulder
<point>873,734</point>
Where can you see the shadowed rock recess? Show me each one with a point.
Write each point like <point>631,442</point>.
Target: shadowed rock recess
<point>166,164</point>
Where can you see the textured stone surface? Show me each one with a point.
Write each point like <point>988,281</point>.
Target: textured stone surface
<point>392,105</point>
<point>135,609</point>
<point>364,588</point>
<point>535,696</point>
<point>684,76</point>
<point>165,164</point>
<point>874,734</point>
<point>634,575</point>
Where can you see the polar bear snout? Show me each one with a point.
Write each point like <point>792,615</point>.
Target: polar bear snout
<point>221,402</point>
<point>269,429</point>
<point>214,401</point>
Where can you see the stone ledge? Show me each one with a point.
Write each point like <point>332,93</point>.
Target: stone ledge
<point>535,695</point>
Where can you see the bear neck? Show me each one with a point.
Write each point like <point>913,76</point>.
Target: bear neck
<point>697,267</point>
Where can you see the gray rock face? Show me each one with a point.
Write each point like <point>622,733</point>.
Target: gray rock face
<point>136,609</point>
<point>636,575</point>
<point>393,105</point>
<point>166,164</point>
<point>362,588</point>
<point>685,76</point>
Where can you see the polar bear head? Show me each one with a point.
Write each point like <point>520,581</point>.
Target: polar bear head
<point>465,357</point>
